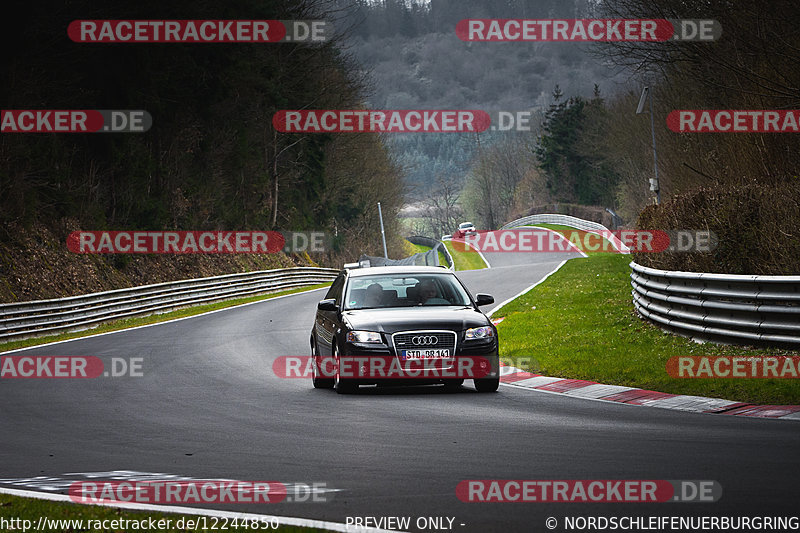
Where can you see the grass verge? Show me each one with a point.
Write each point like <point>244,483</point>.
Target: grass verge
<point>580,324</point>
<point>31,509</point>
<point>465,259</point>
<point>133,322</point>
<point>419,249</point>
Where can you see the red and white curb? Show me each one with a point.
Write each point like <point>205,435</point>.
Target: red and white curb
<point>579,388</point>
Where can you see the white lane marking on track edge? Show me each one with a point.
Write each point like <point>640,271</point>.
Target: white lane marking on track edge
<point>488,265</point>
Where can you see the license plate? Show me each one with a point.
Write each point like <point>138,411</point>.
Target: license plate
<point>413,355</point>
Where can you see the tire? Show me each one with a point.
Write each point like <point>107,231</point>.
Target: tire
<point>319,383</point>
<point>453,384</point>
<point>487,385</point>
<point>342,386</point>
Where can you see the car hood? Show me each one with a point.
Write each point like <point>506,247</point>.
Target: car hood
<point>396,319</point>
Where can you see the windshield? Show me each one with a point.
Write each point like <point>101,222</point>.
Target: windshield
<point>465,225</point>
<point>404,290</point>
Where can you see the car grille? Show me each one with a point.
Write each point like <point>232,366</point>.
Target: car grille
<point>425,340</point>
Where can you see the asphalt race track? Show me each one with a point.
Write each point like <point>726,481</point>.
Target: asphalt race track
<point>210,406</point>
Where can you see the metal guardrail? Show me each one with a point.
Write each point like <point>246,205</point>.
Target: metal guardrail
<point>24,319</point>
<point>551,218</point>
<point>435,245</point>
<point>726,308</point>
<point>451,264</point>
<point>573,222</point>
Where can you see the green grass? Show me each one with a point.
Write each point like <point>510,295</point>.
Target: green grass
<point>133,322</point>
<point>580,324</point>
<point>465,258</point>
<point>32,509</point>
<point>419,249</point>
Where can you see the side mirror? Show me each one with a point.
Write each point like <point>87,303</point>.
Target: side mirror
<point>484,299</point>
<point>327,305</point>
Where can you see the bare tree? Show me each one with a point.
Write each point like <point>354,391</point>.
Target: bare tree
<point>495,177</point>
<point>442,209</point>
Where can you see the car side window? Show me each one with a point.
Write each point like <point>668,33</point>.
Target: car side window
<point>335,292</point>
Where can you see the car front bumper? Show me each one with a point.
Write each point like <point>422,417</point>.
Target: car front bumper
<point>372,364</point>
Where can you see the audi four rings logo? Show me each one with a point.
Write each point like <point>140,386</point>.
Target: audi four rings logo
<point>424,340</point>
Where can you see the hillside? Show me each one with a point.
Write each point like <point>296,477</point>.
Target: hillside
<point>36,265</point>
<point>416,61</point>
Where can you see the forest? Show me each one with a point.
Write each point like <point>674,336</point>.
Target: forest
<point>211,159</point>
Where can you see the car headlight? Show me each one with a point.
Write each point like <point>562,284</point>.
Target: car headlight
<point>483,332</point>
<point>364,336</point>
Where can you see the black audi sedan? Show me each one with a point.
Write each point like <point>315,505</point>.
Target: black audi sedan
<point>403,325</point>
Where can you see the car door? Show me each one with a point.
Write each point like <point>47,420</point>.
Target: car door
<point>327,321</point>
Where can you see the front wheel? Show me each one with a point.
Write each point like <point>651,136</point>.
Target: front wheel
<point>319,382</point>
<point>487,385</point>
<point>342,386</point>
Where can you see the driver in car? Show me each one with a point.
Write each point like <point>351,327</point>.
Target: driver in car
<point>427,294</point>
